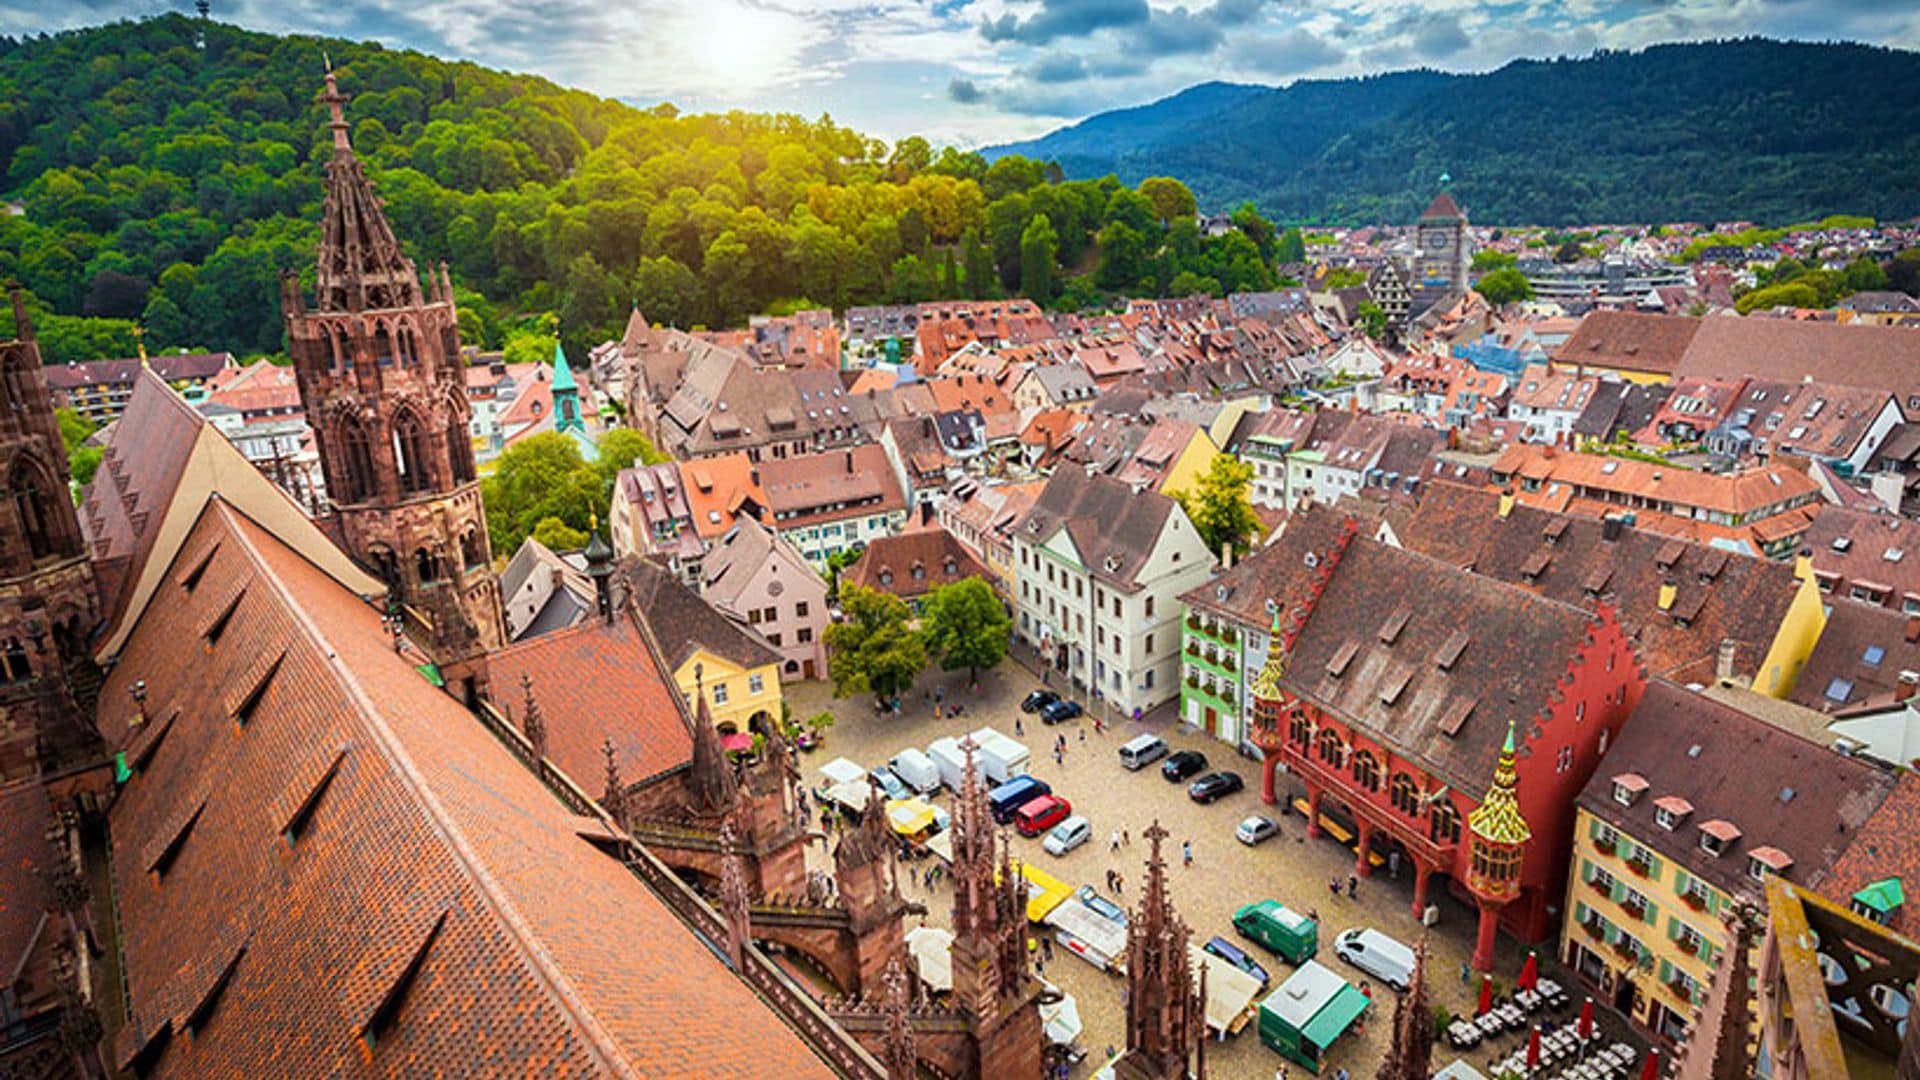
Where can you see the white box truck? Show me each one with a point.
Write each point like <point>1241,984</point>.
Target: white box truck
<point>1004,757</point>
<point>952,762</point>
<point>917,769</point>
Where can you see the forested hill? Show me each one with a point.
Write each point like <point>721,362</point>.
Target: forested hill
<point>1737,130</point>
<point>160,182</point>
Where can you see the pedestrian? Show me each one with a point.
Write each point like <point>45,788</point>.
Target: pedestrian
<point>1186,852</point>
<point>1313,915</point>
<point>939,694</point>
<point>1353,887</point>
<point>1059,756</point>
<point>1018,728</point>
<point>1110,887</point>
<point>1046,947</point>
<point>1114,844</point>
<point>1334,884</point>
<point>1119,883</point>
<point>1096,725</point>
<point>1083,735</point>
<point>1280,1073</point>
<point>1466,972</point>
<point>1393,864</point>
<point>1126,840</point>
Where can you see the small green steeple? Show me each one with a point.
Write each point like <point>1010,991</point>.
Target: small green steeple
<point>566,394</point>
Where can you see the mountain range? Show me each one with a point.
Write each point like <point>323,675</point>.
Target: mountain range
<point>1751,130</point>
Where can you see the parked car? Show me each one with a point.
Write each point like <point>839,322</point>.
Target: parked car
<point>1060,712</point>
<point>1091,897</point>
<point>1142,751</point>
<point>1228,951</point>
<point>1215,785</point>
<point>1376,954</point>
<point>1006,799</point>
<point>1067,835</point>
<point>1255,829</point>
<point>1041,814</point>
<point>894,787</point>
<point>1182,765</point>
<point>1038,700</point>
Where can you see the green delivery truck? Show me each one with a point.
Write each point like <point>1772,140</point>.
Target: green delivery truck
<point>1311,1010</point>
<point>1281,929</point>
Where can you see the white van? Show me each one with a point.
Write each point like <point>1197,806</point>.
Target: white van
<point>1143,751</point>
<point>1378,955</point>
<point>917,769</point>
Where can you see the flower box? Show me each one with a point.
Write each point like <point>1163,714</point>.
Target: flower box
<point>1605,847</point>
<point>1694,900</point>
<point>1592,928</point>
<point>1637,911</point>
<point>1639,867</point>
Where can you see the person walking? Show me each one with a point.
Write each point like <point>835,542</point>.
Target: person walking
<point>1126,838</point>
<point>1334,884</point>
<point>1083,736</point>
<point>1046,947</point>
<point>1186,852</point>
<point>1114,843</point>
<point>1353,887</point>
<point>1018,727</point>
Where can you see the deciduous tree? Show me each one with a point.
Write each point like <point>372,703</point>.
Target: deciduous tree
<point>966,626</point>
<point>872,649</point>
<point>1218,505</point>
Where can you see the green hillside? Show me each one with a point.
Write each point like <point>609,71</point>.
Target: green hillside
<point>1737,130</point>
<point>160,182</point>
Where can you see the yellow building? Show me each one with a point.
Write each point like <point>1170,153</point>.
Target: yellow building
<point>1172,457</point>
<point>736,669</point>
<point>1696,808</point>
<point>1799,632</point>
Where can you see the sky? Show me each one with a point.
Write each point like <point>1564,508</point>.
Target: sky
<point>978,72</point>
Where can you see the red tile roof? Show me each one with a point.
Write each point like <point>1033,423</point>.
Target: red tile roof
<point>915,563</point>
<point>1630,341</point>
<point>596,682</point>
<point>422,843</point>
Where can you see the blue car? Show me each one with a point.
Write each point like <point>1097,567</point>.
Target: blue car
<point>1228,951</point>
<point>1100,904</point>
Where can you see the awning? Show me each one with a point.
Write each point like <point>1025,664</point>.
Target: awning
<point>842,771</point>
<point>941,844</point>
<point>851,794</point>
<point>739,740</point>
<point>909,817</point>
<point>1335,1017</point>
<point>1061,1019</point>
<point>1230,991</point>
<point>932,952</point>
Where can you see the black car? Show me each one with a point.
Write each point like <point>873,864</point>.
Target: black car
<point>1060,712</point>
<point>1232,954</point>
<point>1182,765</point>
<point>1214,785</point>
<point>1038,700</point>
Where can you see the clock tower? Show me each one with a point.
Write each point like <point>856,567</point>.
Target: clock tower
<point>1443,243</point>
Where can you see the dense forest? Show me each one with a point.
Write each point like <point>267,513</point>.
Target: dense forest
<point>163,183</point>
<point>1748,130</point>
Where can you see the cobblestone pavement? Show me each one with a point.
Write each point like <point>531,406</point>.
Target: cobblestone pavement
<point>1225,873</point>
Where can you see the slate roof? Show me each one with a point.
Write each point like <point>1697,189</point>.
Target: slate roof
<point>142,468</point>
<point>169,366</point>
<point>890,563</point>
<point>1778,789</point>
<point>1859,658</point>
<point>595,682</point>
<point>1250,591</point>
<point>1376,585</point>
<point>322,839</point>
<point>682,622</point>
<point>1631,341</point>
<point>1065,383</point>
<point>831,486</point>
<point>1718,595</point>
<point>1112,527</point>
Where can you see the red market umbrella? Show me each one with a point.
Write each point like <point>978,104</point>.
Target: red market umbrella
<point>1651,1070</point>
<point>738,741</point>
<point>1533,1050</point>
<point>1530,973</point>
<point>1585,1030</point>
<point>1486,995</point>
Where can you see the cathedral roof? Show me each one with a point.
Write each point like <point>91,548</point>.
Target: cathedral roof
<point>325,860</point>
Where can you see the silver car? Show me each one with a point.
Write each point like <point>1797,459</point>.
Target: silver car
<point>1255,829</point>
<point>1068,835</point>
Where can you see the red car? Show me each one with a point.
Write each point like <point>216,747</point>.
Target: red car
<point>1041,814</point>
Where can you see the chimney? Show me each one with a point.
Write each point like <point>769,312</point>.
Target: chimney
<point>1668,592</point>
<point>1908,686</point>
<point>1913,629</point>
<point>1723,662</point>
<point>1226,554</point>
<point>1611,527</point>
<point>753,476</point>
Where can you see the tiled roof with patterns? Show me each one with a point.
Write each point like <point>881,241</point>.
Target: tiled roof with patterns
<point>1630,341</point>
<point>1718,595</point>
<point>1887,846</point>
<point>1778,789</point>
<point>1517,647</point>
<point>145,462</point>
<point>596,682</point>
<point>682,622</point>
<point>327,867</point>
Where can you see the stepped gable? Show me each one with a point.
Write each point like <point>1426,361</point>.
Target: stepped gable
<point>327,866</point>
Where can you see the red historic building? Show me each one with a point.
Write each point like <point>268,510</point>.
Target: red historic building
<point>1397,683</point>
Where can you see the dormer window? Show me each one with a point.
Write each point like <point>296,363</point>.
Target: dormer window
<point>1763,861</point>
<point>1670,810</point>
<point>1879,900</point>
<point>1627,788</point>
<point>1717,835</point>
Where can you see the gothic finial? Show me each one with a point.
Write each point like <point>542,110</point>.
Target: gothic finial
<point>336,111</point>
<point>901,1060</point>
<point>733,893</point>
<point>533,722</point>
<point>614,801</point>
<point>22,322</point>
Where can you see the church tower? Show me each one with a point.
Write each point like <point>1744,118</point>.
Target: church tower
<point>48,603</point>
<point>1442,237</point>
<point>377,357</point>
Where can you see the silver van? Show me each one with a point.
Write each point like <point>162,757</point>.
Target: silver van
<point>1143,751</point>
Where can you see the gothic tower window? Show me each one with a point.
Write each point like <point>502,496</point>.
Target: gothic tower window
<point>29,487</point>
<point>381,558</point>
<point>1331,750</point>
<point>410,452</point>
<point>382,345</point>
<point>13,662</point>
<point>1406,798</point>
<point>426,565</point>
<point>356,455</point>
<point>459,451</point>
<point>472,552</point>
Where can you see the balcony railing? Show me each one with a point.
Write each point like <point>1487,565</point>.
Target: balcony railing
<point>1411,832</point>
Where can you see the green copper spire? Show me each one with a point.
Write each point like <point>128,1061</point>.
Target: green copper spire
<point>566,395</point>
<point>562,374</point>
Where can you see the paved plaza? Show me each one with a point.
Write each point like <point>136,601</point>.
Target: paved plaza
<point>1225,873</point>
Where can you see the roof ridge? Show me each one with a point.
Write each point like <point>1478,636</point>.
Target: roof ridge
<point>384,739</point>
